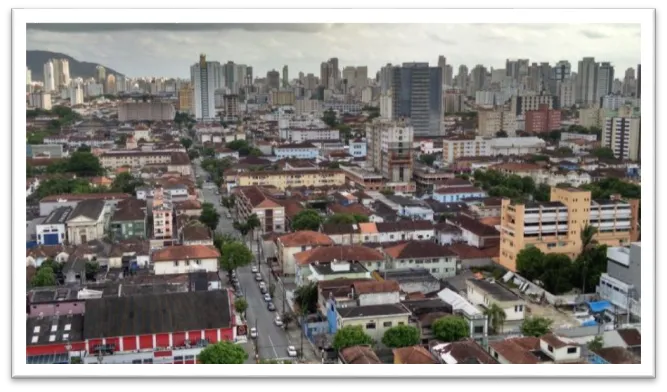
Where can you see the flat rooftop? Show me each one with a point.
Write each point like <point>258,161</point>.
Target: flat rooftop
<point>495,290</point>
<point>325,269</point>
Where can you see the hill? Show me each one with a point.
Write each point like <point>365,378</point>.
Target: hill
<point>35,60</point>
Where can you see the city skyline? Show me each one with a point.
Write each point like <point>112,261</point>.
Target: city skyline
<point>168,50</point>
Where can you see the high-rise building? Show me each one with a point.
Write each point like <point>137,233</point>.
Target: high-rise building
<point>386,78</point>
<point>361,77</point>
<point>567,92</point>
<point>629,82</point>
<point>201,76</point>
<point>40,100</point>
<point>248,76</point>
<point>449,74</point>
<point>639,81</point>
<point>229,70</point>
<point>561,71</point>
<point>462,78</point>
<point>218,73</point>
<point>61,72</point>
<point>335,71</point>
<point>534,77</point>
<point>285,77</point>
<point>28,76</point>
<point>273,79</point>
<point>604,80</point>
<point>544,76</point>
<point>442,64</point>
<point>76,95</point>
<point>186,99</point>
<point>517,69</point>
<point>49,79</point>
<point>101,74</point>
<point>325,71</point>
<point>111,84</point>
<point>389,148</point>
<point>417,95</point>
<point>586,81</point>
<point>478,79</point>
<point>621,133</point>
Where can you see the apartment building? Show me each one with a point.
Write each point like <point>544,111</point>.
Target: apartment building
<point>292,179</point>
<point>146,111</point>
<point>173,161</point>
<point>622,135</point>
<point>40,100</point>
<point>520,104</point>
<point>591,117</point>
<point>304,134</point>
<point>621,284</point>
<point>282,98</point>
<point>389,149</point>
<point>555,226</point>
<point>492,121</point>
<point>296,150</point>
<point>254,200</point>
<point>163,216</point>
<point>542,120</point>
<point>454,148</point>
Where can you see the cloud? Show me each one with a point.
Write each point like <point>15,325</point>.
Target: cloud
<point>441,40</point>
<point>593,34</point>
<point>116,27</point>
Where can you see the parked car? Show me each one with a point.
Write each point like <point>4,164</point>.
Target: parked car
<point>258,277</point>
<point>278,321</point>
<point>253,333</point>
<point>254,270</point>
<point>267,297</point>
<point>291,351</point>
<point>271,307</point>
<point>263,290</point>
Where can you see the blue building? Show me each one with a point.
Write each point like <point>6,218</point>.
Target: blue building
<point>296,150</point>
<point>456,194</point>
<point>358,148</point>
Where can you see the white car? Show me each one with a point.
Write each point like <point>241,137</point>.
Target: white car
<point>253,333</point>
<point>267,297</point>
<point>291,351</point>
<point>253,270</point>
<point>262,284</point>
<point>278,321</point>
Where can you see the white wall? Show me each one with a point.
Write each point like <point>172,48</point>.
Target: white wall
<point>168,267</point>
<point>560,354</point>
<point>379,298</point>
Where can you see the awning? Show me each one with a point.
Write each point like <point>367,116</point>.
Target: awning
<point>598,306</point>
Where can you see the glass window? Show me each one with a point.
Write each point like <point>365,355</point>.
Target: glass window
<point>387,324</point>
<point>370,326</point>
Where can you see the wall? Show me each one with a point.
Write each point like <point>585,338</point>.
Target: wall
<point>168,267</point>
<point>379,298</point>
<point>62,308</point>
<point>378,332</point>
<point>50,229</point>
<point>560,354</point>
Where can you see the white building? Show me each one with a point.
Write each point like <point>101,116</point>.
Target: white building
<point>386,106</point>
<point>621,134</point>
<point>307,106</point>
<point>181,259</point>
<point>40,100</point>
<point>94,89</point>
<point>49,78</point>
<point>485,293</point>
<point>53,230</point>
<point>76,95</point>
<point>515,145</point>
<point>567,93</point>
<point>201,75</point>
<point>578,136</point>
<point>615,102</point>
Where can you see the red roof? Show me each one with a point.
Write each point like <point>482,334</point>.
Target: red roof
<point>185,252</point>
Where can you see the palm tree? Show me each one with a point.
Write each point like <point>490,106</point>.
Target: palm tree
<point>496,316</point>
<point>587,242</point>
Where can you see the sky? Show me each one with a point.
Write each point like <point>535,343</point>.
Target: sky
<point>168,50</point>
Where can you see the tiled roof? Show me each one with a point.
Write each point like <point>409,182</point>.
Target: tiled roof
<point>554,341</point>
<point>91,209</point>
<point>474,226</point>
<point>258,198</point>
<point>463,351</point>
<point>340,228</point>
<point>617,356</point>
<point>185,252</point>
<point>359,355</point>
<point>196,232</point>
<point>517,350</point>
<point>305,237</point>
<point>404,225</point>
<point>292,207</point>
<point>129,210</point>
<point>631,336</point>
<point>187,205</point>
<point>417,355</point>
<point>85,196</point>
<point>368,228</point>
<point>353,208</point>
<point>456,190</point>
<point>465,251</point>
<point>418,250</point>
<point>340,252</point>
<point>374,286</point>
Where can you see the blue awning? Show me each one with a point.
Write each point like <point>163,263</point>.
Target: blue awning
<point>599,306</point>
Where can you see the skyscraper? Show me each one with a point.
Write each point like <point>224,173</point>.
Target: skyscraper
<point>561,71</point>
<point>110,84</point>
<point>28,76</point>
<point>449,75</point>
<point>417,95</point>
<point>273,79</point>
<point>101,74</point>
<point>639,81</point>
<point>462,78</point>
<point>201,77</point>
<point>386,74</point>
<point>229,71</point>
<point>478,78</point>
<point>604,80</point>
<point>49,81</point>
<point>442,64</point>
<point>285,76</point>
<point>335,71</point>
<point>586,79</point>
<point>324,73</point>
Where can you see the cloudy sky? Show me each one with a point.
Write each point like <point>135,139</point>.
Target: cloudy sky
<point>169,49</point>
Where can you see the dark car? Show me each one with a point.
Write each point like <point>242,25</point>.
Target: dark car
<point>258,277</point>
<point>271,307</point>
<point>263,290</point>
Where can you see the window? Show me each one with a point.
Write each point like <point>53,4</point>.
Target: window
<point>175,263</point>
<point>370,326</point>
<point>401,323</point>
<point>495,355</point>
<point>387,324</point>
<point>478,329</point>
<point>571,350</point>
<point>198,262</point>
<point>551,349</point>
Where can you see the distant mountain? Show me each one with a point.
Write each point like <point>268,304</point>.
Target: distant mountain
<point>35,60</point>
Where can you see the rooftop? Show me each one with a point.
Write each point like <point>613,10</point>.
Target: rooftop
<point>518,350</point>
<point>359,355</point>
<point>339,253</point>
<point>465,351</point>
<point>374,287</point>
<point>185,252</point>
<point>91,209</point>
<point>372,311</point>
<point>329,269</point>
<point>305,238</point>
<point>58,216</point>
<point>414,355</point>
<point>498,292</point>
<point>54,330</point>
<point>418,250</point>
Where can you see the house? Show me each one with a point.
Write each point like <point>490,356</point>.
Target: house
<point>337,270</point>
<point>129,254</point>
<point>474,232</point>
<point>223,152</point>
<point>374,292</point>
<point>371,259</point>
<point>484,293</point>
<point>478,321</point>
<point>342,233</point>
<point>180,259</point>
<point>530,350</point>
<point>615,355</point>
<point>413,280</point>
<point>472,257</point>
<point>403,231</point>
<point>53,230</point>
<point>37,255</point>
<point>374,320</point>
<point>465,352</point>
<point>411,208</point>
<point>128,220</point>
<point>425,311</point>
<point>358,148</point>
<point>302,150</point>
<point>415,355</point>
<point>486,207</point>
<point>456,194</point>
<point>446,234</point>
<point>439,260</point>
<point>339,291</point>
<point>445,210</point>
<point>289,244</point>
<point>188,207</point>
<point>86,222</point>
<point>196,234</point>
<point>49,203</point>
<point>358,355</point>
<point>74,270</point>
<point>255,200</point>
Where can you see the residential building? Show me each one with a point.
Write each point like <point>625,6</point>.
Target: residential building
<point>437,259</point>
<point>414,280</point>
<point>39,100</point>
<point>49,203</point>
<point>357,148</point>
<point>542,120</point>
<point>555,226</point>
<point>358,355</point>
<point>302,150</point>
<point>529,350</point>
<point>515,145</point>
<point>567,92</point>
<point>290,244</point>
<point>453,101</point>
<point>283,98</point>
<point>485,294</point>
<point>587,78</point>
<point>146,111</point>
<point>370,259</point>
<point>417,95</point>
<point>186,101</point>
<point>128,220</point>
<point>203,82</point>
<point>163,215</point>
<point>465,352</point>
<point>172,161</point>
<point>592,117</point>
<point>53,230</point>
<point>364,179</point>
<point>520,104</point>
<point>390,145</point>
<point>76,95</point>
<point>613,102</point>
<point>564,136</point>
<point>621,284</point>
<point>622,135</point>
<point>604,80</point>
<point>492,121</point>
<point>456,194</point>
<point>416,355</point>
<point>478,322</point>
<point>254,200</point>
<point>375,320</point>
<point>474,232</point>
<point>49,77</point>
<point>181,259</point>
<point>86,222</point>
<point>296,134</point>
<point>295,178</point>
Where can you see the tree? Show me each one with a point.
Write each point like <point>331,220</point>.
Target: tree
<point>92,268</point>
<point>329,118</point>
<point>234,255</point>
<point>288,318</point>
<point>596,344</point>
<point>209,216</point>
<point>223,353</point>
<point>84,164</point>
<point>556,277</point>
<point>306,296</point>
<point>220,239</point>
<point>254,152</point>
<point>43,277</point>
<point>450,328</point>
<point>603,152</point>
<point>587,236</point>
<point>308,219</point>
<point>427,159</point>
<point>536,326</point>
<point>496,316</point>
<point>208,152</point>
<point>501,134</point>
<point>241,305</point>
<point>387,191</point>
<point>228,201</point>
<point>334,165</point>
<point>530,263</point>
<point>121,140</point>
<point>193,154</point>
<point>342,218</point>
<point>350,336</point>
<point>401,336</point>
<point>237,145</point>
<point>186,142</point>
<point>126,183</point>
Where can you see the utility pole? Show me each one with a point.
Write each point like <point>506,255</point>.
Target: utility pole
<point>284,298</point>
<point>256,342</point>
<point>302,333</point>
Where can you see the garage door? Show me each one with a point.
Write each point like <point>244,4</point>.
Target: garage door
<point>51,239</point>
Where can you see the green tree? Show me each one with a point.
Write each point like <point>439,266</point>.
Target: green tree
<point>536,326</point>
<point>254,152</point>
<point>401,336</point>
<point>450,328</point>
<point>208,152</point>
<point>228,201</point>
<point>84,164</point>
<point>501,134</point>
<point>307,219</point>
<point>342,218</point>
<point>186,142</point>
<point>220,239</point>
<point>387,191</point>
<point>253,222</point>
<point>92,268</point>
<point>427,159</point>
<point>121,140</point>
<point>223,353</point>
<point>603,152</point>
<point>126,183</point>
<point>306,296</point>
<point>329,118</point>
<point>209,216</point>
<point>542,193</point>
<point>596,344</point>
<point>530,263</point>
<point>288,318</point>
<point>527,185</point>
<point>334,165</point>
<point>350,336</point>
<point>241,305</point>
<point>44,277</point>
<point>234,255</point>
<point>556,277</point>
<point>236,145</point>
<point>496,316</point>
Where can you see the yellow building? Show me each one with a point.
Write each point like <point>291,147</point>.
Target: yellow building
<point>555,226</point>
<point>454,148</point>
<point>282,98</point>
<point>185,99</point>
<point>294,179</point>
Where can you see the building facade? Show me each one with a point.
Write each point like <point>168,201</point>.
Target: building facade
<point>417,95</point>
<point>202,79</point>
